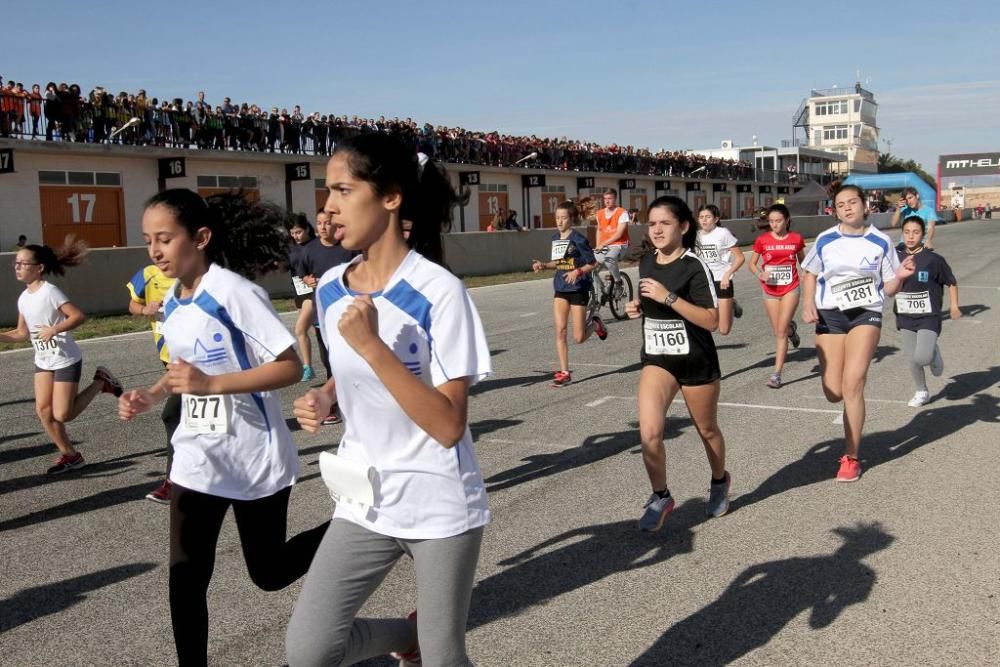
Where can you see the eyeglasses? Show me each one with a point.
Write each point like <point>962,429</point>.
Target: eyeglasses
<point>17,265</point>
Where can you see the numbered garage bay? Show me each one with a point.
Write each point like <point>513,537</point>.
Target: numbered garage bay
<point>87,204</point>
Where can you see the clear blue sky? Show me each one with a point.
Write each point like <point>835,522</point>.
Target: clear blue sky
<point>656,74</point>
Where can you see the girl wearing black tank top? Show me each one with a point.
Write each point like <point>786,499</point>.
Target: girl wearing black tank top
<point>679,310</point>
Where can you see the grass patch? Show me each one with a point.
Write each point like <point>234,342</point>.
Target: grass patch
<point>112,325</point>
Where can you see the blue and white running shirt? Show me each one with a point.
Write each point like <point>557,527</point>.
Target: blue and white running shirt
<point>423,490</point>
<point>851,270</point>
<point>233,445</point>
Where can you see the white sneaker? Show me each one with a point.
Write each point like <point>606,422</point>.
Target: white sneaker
<point>937,363</point>
<point>919,398</point>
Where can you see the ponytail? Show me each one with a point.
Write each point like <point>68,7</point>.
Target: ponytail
<point>55,261</point>
<point>248,237</point>
<point>390,165</point>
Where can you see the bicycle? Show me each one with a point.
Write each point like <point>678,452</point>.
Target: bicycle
<point>616,294</point>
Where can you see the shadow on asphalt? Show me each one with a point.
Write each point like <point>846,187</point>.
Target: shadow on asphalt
<point>578,558</point>
<point>504,383</point>
<point>631,368</point>
<point>967,311</point>
<point>594,448</point>
<point>819,464</point>
<point>805,353</point>
<point>108,468</point>
<point>764,598</point>
<point>34,603</point>
<point>16,401</point>
<point>487,426</point>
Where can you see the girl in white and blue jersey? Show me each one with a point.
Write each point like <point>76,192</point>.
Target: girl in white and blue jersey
<point>847,275</point>
<point>409,343</point>
<point>229,354</point>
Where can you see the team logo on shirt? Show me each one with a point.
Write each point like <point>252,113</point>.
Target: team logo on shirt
<point>413,365</point>
<point>209,356</point>
<point>923,276</point>
<point>869,264</point>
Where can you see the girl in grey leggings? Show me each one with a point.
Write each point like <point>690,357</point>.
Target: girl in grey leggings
<point>918,307</point>
<point>415,486</point>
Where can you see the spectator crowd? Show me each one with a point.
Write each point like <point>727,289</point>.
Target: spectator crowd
<point>62,112</point>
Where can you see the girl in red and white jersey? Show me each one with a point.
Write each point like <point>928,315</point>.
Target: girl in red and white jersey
<point>781,250</point>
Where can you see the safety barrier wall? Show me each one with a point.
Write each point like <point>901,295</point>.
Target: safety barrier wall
<point>98,286</point>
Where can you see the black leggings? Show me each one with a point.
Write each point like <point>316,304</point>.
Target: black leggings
<point>324,354</point>
<point>171,418</point>
<point>195,521</point>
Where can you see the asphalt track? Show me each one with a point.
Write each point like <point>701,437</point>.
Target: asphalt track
<point>901,568</point>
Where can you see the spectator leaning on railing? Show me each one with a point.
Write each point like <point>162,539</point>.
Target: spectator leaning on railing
<point>68,116</point>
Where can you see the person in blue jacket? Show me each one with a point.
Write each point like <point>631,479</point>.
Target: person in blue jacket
<point>573,260</point>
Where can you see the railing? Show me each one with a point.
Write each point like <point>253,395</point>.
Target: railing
<point>83,122</point>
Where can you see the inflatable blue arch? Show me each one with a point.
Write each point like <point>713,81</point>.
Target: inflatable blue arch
<point>895,182</point>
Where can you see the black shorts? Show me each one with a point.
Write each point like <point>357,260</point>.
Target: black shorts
<point>834,321</point>
<point>301,299</point>
<point>689,370</point>
<point>724,293</point>
<point>65,374</point>
<point>574,298</point>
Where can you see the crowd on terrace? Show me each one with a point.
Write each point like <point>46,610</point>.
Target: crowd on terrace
<point>61,112</point>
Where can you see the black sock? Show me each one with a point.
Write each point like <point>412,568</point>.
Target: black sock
<point>665,493</point>
<point>721,480</point>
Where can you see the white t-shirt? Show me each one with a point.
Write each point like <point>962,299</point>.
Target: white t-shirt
<point>40,310</point>
<point>235,445</point>
<point>423,490</point>
<point>715,249</point>
<point>851,267</point>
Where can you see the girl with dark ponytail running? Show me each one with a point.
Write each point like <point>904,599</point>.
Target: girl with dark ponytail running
<point>408,341</point>
<point>229,354</point>
<point>46,317</point>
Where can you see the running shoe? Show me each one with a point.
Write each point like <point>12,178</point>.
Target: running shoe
<point>599,327</point>
<point>161,494</point>
<point>67,462</point>
<point>850,469</point>
<point>561,379</point>
<point>332,418</point>
<point>655,512</point>
<point>793,337</point>
<point>718,497</point>
<point>307,374</point>
<point>919,398</point>
<point>737,309</point>
<point>937,363</point>
<point>412,657</point>
<point>111,383</point>
<point>774,382</point>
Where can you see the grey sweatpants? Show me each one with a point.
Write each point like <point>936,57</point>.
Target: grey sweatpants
<point>350,564</point>
<point>920,348</point>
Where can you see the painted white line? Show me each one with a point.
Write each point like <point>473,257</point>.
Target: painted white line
<point>753,406</point>
<point>966,320</point>
<point>622,365</point>
<point>993,287</point>
<point>527,314</point>
<point>868,400</point>
<point>839,419</point>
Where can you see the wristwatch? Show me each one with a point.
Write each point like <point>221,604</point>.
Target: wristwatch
<point>669,301</point>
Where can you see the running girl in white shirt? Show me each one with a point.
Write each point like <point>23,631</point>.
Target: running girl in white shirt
<point>719,249</point>
<point>409,343</point>
<point>229,354</point>
<point>46,317</point>
<point>847,274</point>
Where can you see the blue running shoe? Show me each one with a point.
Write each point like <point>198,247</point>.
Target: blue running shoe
<point>655,512</point>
